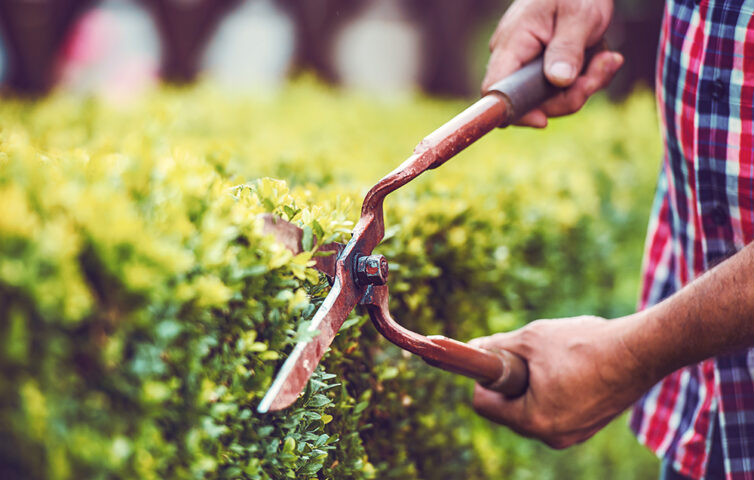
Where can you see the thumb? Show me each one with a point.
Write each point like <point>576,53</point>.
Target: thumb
<point>564,55</point>
<point>511,341</point>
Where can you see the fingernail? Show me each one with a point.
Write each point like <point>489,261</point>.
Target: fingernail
<point>617,59</point>
<point>563,71</point>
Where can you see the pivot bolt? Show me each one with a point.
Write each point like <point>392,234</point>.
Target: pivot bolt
<point>371,270</point>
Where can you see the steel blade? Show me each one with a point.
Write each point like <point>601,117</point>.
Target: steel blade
<point>291,236</point>
<point>298,367</point>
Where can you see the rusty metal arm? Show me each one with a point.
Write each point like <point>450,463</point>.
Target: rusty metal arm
<point>489,112</point>
<point>501,371</point>
<point>360,277</point>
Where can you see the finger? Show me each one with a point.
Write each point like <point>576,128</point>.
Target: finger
<point>600,71</point>
<point>602,68</point>
<point>509,55</point>
<point>491,341</point>
<point>536,118</point>
<point>564,55</point>
<point>495,407</point>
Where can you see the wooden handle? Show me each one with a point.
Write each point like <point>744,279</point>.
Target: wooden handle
<point>514,380</point>
<point>500,370</point>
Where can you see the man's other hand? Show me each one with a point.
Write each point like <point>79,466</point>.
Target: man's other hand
<point>564,29</point>
<point>581,375</point>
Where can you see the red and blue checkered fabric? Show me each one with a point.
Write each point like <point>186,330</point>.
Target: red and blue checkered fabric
<point>703,213</point>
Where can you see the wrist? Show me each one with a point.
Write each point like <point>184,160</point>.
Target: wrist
<point>642,349</point>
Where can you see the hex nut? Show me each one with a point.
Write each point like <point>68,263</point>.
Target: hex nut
<point>371,270</point>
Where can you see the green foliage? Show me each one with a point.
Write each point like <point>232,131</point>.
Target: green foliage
<point>143,313</point>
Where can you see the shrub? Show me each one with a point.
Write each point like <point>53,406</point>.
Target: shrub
<point>143,313</point>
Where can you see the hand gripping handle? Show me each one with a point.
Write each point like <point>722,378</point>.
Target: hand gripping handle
<point>507,100</point>
<point>526,88</point>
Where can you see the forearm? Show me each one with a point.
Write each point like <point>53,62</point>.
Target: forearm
<point>713,314</point>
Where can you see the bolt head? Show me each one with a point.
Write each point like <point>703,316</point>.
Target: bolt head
<point>371,270</point>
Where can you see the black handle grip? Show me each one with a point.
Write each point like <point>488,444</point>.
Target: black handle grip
<point>526,88</point>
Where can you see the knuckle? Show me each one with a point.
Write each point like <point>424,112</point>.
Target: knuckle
<point>534,329</point>
<point>591,11</point>
<point>564,46</point>
<point>576,101</point>
<point>533,326</point>
<point>528,335</point>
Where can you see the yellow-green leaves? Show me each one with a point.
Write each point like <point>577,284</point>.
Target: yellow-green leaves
<point>143,313</point>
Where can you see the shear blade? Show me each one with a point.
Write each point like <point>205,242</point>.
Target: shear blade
<point>343,297</point>
<point>291,236</point>
<point>305,357</point>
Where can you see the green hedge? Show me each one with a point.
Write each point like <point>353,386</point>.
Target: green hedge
<point>143,314</point>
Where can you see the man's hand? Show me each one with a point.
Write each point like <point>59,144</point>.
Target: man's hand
<point>564,29</point>
<point>584,371</point>
<point>581,376</point>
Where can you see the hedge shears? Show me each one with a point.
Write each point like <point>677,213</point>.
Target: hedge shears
<point>360,278</point>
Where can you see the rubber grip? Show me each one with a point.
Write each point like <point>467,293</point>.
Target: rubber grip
<point>526,88</point>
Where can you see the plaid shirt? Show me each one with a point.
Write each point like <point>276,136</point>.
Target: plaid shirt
<point>703,213</point>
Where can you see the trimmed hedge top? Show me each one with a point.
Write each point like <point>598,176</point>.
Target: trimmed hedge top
<point>143,313</point>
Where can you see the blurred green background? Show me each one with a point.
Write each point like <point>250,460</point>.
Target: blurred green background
<point>144,314</point>
<point>117,48</point>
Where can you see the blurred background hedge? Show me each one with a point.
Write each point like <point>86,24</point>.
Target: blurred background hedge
<point>117,47</point>
<point>143,314</point>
